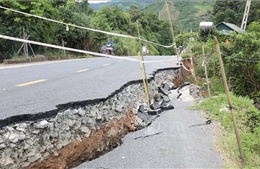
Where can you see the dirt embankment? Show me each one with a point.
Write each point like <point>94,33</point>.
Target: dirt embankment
<point>101,141</point>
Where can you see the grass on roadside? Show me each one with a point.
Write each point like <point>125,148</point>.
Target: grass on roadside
<point>248,122</point>
<point>85,56</point>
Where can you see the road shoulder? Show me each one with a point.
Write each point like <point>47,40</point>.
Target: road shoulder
<point>178,138</point>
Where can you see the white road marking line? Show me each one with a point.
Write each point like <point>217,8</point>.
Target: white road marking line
<point>82,70</point>
<point>106,64</point>
<point>30,83</point>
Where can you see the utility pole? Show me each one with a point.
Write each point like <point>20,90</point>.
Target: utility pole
<point>245,16</point>
<point>171,29</point>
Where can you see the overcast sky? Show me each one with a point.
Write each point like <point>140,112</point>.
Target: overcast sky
<point>97,1</point>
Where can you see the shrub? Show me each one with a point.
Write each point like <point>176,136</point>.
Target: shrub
<point>248,122</point>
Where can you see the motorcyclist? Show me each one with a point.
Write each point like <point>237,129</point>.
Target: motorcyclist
<point>110,46</point>
<point>144,50</point>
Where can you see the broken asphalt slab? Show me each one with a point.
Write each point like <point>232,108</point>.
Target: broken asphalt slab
<point>176,139</point>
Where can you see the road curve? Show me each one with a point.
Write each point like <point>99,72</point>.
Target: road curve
<point>39,87</point>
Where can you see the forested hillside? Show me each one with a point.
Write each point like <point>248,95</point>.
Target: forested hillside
<point>110,19</point>
<point>242,55</point>
<point>122,4</point>
<point>186,14</point>
<point>232,11</point>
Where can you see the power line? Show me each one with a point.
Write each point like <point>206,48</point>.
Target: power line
<point>78,50</point>
<point>85,28</point>
<point>244,60</point>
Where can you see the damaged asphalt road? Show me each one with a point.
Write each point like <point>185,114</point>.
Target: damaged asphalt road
<point>176,139</point>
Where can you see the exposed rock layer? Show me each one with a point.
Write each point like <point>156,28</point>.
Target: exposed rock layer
<point>76,131</point>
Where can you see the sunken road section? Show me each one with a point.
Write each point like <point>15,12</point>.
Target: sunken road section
<point>80,131</point>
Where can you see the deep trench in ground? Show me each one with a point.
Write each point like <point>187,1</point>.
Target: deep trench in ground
<point>76,132</point>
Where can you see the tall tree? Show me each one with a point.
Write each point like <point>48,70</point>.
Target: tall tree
<point>232,11</point>
<point>244,66</point>
<point>77,14</point>
<point>14,24</point>
<point>133,11</point>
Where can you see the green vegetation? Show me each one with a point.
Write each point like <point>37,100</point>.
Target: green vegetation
<point>123,4</point>
<point>232,11</point>
<point>248,121</point>
<point>241,56</point>
<point>110,19</point>
<point>185,13</point>
<point>241,59</point>
<point>85,56</point>
<point>154,8</point>
<point>205,7</point>
<point>242,62</point>
<point>242,65</point>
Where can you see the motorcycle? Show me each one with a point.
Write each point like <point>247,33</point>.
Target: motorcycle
<point>109,50</point>
<point>144,50</point>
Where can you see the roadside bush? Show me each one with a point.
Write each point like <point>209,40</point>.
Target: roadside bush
<point>248,122</point>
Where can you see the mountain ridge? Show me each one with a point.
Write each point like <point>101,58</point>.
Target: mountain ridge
<point>184,13</point>
<point>122,4</point>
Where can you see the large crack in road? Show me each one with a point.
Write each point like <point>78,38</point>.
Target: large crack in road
<point>62,137</point>
<point>169,142</point>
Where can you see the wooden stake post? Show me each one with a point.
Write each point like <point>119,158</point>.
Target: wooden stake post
<point>25,48</point>
<point>229,99</point>
<point>142,69</point>
<point>205,69</point>
<point>144,79</point>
